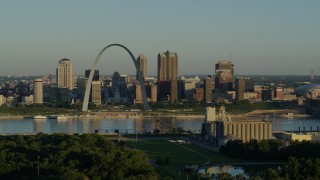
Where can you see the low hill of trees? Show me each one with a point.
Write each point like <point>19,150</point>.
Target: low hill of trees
<point>61,156</point>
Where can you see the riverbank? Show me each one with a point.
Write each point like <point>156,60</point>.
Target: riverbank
<point>256,114</point>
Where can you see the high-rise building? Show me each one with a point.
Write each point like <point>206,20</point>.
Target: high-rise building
<point>168,72</point>
<point>224,76</point>
<point>173,90</point>
<point>65,74</point>
<point>240,87</point>
<point>96,92</point>
<point>153,93</point>
<point>167,66</point>
<point>95,74</point>
<point>208,90</point>
<point>142,62</point>
<point>38,91</point>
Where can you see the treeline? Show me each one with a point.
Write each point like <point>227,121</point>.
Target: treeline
<point>271,150</point>
<point>296,169</point>
<point>63,156</point>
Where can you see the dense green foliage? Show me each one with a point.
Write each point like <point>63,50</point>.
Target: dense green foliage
<point>32,109</point>
<point>70,157</point>
<point>271,150</point>
<point>300,168</point>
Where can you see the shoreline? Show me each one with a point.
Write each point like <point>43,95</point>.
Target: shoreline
<point>256,114</point>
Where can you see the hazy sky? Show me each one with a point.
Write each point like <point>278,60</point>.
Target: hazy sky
<point>264,37</point>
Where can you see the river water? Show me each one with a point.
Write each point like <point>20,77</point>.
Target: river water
<point>130,124</point>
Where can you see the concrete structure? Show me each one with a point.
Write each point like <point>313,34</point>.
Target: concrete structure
<point>224,74</point>
<point>143,90</point>
<point>2,100</point>
<point>210,115</point>
<point>142,63</point>
<point>221,128</point>
<point>313,137</point>
<point>96,92</point>
<point>208,90</point>
<point>38,91</point>
<point>65,74</point>
<point>244,130</point>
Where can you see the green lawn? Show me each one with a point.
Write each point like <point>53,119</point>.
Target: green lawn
<point>179,156</point>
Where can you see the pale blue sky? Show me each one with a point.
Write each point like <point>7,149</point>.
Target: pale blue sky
<point>264,37</point>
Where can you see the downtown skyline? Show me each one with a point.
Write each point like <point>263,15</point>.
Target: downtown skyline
<point>264,38</point>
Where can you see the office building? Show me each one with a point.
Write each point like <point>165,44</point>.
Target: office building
<point>199,94</point>
<point>168,74</point>
<point>38,91</point>
<point>142,62</point>
<point>224,74</point>
<point>278,93</point>
<point>208,90</point>
<point>65,74</point>
<point>240,87</point>
<point>167,66</point>
<point>96,92</point>
<point>95,74</point>
<point>154,93</point>
<point>173,90</point>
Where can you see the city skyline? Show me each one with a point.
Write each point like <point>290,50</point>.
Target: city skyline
<point>264,38</point>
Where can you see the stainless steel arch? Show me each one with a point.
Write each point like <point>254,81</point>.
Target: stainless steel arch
<point>88,87</point>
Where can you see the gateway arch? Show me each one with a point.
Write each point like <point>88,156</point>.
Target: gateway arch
<point>93,68</point>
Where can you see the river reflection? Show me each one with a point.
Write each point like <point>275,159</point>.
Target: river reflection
<point>247,170</point>
<point>130,124</point>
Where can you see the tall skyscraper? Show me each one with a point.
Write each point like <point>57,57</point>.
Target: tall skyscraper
<point>167,66</point>
<point>38,91</point>
<point>168,74</point>
<point>142,62</point>
<point>240,88</point>
<point>96,92</point>
<point>224,76</point>
<point>208,90</point>
<point>65,74</point>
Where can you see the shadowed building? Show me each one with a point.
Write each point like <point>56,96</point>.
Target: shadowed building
<point>240,87</point>
<point>208,90</point>
<point>65,74</point>
<point>224,76</point>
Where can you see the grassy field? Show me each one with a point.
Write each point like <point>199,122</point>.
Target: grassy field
<point>180,155</point>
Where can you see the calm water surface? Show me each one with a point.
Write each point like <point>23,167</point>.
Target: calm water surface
<point>129,124</point>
